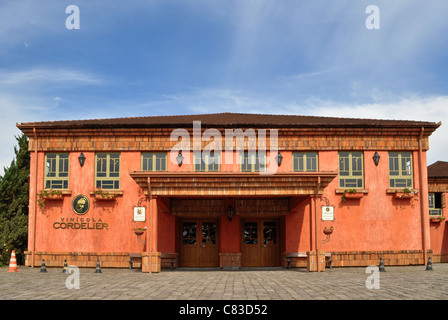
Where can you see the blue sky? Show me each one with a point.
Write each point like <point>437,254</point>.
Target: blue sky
<point>163,57</point>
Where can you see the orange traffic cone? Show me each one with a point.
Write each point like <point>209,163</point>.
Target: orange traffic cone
<point>13,262</point>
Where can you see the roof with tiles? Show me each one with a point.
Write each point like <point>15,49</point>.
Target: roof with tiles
<point>438,169</point>
<point>226,119</point>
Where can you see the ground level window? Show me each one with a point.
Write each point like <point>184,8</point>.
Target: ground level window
<point>250,232</point>
<point>189,233</point>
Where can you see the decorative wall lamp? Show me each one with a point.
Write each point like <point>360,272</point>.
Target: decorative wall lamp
<point>81,159</point>
<point>180,158</point>
<point>230,212</point>
<point>376,158</point>
<point>279,159</point>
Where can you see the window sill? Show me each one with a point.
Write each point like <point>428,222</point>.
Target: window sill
<point>57,196</point>
<point>362,191</point>
<point>347,194</point>
<point>107,195</point>
<point>400,194</point>
<point>438,219</point>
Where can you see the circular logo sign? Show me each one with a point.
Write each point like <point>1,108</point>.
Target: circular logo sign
<point>80,204</point>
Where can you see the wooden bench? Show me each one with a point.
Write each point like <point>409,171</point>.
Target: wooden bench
<point>290,256</point>
<point>170,257</point>
<point>133,256</point>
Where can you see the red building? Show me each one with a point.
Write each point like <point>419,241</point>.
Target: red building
<point>229,190</point>
<point>437,187</point>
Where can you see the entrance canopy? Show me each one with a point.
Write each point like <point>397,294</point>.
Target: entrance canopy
<point>229,184</point>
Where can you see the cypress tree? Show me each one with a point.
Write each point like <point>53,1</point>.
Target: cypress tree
<point>14,200</point>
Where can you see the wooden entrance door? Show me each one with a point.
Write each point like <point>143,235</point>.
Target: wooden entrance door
<point>260,243</point>
<point>199,243</point>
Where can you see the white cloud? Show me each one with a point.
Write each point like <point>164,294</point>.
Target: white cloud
<point>18,108</point>
<point>13,109</point>
<point>290,58</point>
<point>44,76</point>
<point>432,109</point>
<point>24,98</point>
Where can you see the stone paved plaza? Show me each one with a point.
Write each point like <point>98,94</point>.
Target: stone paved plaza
<point>397,283</point>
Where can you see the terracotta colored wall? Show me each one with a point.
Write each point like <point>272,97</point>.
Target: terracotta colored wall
<point>118,214</point>
<point>297,229</point>
<point>166,233</point>
<point>439,230</point>
<point>375,222</point>
<point>230,235</point>
<point>439,236</point>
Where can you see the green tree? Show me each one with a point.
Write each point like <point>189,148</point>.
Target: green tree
<point>14,200</point>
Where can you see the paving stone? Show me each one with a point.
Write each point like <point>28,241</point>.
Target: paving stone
<point>397,283</point>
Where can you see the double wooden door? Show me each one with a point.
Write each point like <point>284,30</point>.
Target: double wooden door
<point>260,243</point>
<point>199,243</point>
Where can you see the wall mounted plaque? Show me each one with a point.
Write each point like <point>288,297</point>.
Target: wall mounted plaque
<point>327,213</point>
<point>139,213</point>
<point>80,204</point>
